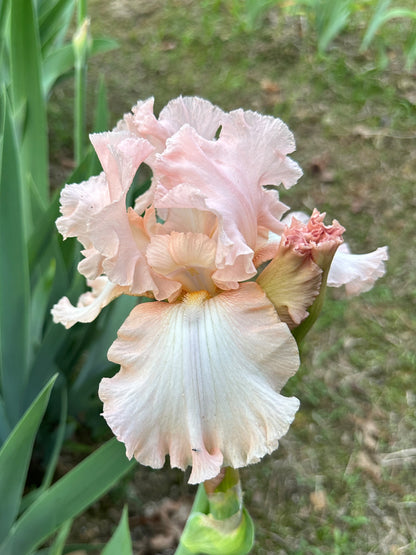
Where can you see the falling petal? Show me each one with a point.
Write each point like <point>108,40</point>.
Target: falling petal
<point>199,381</point>
<point>358,272</point>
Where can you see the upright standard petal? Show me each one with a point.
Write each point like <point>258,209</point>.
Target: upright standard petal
<point>200,381</point>
<point>226,177</point>
<point>199,113</point>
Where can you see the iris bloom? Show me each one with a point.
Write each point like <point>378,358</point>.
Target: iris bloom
<point>203,365</point>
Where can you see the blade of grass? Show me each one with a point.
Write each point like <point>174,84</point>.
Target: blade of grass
<point>381,15</point>
<point>331,18</point>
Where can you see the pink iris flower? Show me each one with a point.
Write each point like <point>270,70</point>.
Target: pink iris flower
<point>201,367</point>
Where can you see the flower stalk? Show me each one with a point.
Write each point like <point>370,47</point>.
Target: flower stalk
<point>80,43</point>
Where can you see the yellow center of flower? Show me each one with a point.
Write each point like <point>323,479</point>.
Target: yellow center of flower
<point>196,298</point>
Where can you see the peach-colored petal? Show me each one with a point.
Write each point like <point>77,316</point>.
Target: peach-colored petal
<point>120,154</point>
<point>314,238</point>
<point>188,258</point>
<point>91,265</point>
<point>189,220</point>
<point>85,207</point>
<point>200,114</point>
<point>266,141</point>
<point>89,304</point>
<point>358,272</point>
<point>79,201</point>
<point>199,381</point>
<point>118,237</point>
<point>226,177</point>
<point>121,237</point>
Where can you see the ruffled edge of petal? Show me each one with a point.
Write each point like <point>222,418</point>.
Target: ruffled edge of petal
<point>358,272</point>
<point>89,304</point>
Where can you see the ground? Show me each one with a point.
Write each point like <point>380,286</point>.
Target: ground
<point>343,479</point>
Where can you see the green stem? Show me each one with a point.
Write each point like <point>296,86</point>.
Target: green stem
<point>80,111</point>
<point>82,11</point>
<point>80,43</point>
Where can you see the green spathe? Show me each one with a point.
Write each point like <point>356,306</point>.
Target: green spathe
<point>218,523</point>
<point>204,534</point>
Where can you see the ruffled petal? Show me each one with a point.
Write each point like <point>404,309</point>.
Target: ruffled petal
<point>199,381</point>
<point>265,140</point>
<point>89,304</point>
<point>120,154</point>
<point>226,177</point>
<point>358,272</point>
<point>188,258</point>
<point>79,201</point>
<point>95,210</point>
<point>200,114</point>
<point>116,237</point>
<point>122,238</point>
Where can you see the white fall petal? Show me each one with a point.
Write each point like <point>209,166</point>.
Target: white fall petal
<point>200,381</point>
<point>357,272</point>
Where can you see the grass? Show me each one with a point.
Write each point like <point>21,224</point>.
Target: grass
<point>329,489</point>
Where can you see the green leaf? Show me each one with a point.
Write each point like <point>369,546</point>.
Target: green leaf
<point>14,275</point>
<point>5,428</point>
<point>15,456</point>
<point>120,543</point>
<point>96,360</point>
<point>57,548</point>
<point>28,101</point>
<point>218,523</point>
<point>380,17</point>
<point>67,498</point>
<point>53,459</point>
<point>331,18</point>
<point>54,19</point>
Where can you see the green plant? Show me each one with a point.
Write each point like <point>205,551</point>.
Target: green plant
<point>28,521</point>
<point>36,267</point>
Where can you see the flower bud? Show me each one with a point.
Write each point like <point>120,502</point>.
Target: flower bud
<point>296,278</point>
